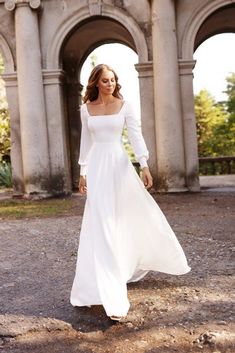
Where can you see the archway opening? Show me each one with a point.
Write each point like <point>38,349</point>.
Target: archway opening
<point>5,142</point>
<point>214,88</point>
<point>77,48</point>
<point>122,59</point>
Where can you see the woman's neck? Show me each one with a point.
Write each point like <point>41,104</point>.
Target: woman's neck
<point>105,99</point>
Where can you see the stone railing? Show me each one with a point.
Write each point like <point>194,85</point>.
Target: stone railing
<point>210,165</point>
<point>216,165</point>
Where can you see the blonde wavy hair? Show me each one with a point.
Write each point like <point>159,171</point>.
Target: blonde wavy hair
<point>92,91</point>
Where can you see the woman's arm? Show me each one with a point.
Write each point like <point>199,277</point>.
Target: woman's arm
<point>135,136</point>
<point>85,145</point>
<point>139,146</point>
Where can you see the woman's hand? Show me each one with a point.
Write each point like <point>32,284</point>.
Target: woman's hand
<point>147,178</point>
<point>82,184</point>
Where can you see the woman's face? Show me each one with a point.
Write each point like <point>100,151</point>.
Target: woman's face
<point>107,82</point>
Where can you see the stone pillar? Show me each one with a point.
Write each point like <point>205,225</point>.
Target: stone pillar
<point>57,132</point>
<point>168,115</point>
<point>74,91</point>
<point>34,139</point>
<point>189,124</point>
<point>145,71</point>
<point>16,153</point>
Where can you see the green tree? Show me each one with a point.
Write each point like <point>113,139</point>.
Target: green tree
<point>209,116</point>
<point>4,120</point>
<point>230,91</point>
<point>94,59</point>
<point>5,145</point>
<point>127,145</point>
<point>226,144</point>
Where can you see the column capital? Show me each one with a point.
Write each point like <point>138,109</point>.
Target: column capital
<point>53,77</point>
<point>145,69</point>
<point>10,79</point>
<point>186,66</point>
<point>10,5</point>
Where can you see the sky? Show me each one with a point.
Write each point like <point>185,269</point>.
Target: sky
<point>215,60</point>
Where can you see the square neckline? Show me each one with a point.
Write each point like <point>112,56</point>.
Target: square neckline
<point>104,115</point>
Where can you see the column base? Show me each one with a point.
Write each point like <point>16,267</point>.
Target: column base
<point>194,188</point>
<point>17,195</point>
<point>172,190</point>
<point>37,196</point>
<point>44,195</point>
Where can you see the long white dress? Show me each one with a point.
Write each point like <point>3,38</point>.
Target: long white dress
<point>124,234</point>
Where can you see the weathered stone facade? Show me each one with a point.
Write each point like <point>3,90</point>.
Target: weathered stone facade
<point>44,44</point>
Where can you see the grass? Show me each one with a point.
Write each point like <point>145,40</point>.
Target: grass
<point>18,209</point>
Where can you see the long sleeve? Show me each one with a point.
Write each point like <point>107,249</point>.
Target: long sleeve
<point>135,136</point>
<point>85,144</point>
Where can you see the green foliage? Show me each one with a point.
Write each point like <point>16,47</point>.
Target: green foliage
<point>216,122</point>
<point>19,208</point>
<point>209,116</point>
<point>5,144</point>
<point>93,58</point>
<point>5,175</point>
<point>231,93</point>
<point>228,129</point>
<point>127,145</point>
<point>5,167</point>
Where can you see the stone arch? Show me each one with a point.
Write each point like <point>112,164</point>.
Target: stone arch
<point>7,55</point>
<point>72,57</point>
<point>53,60</point>
<point>203,23</point>
<point>112,26</point>
<point>193,26</point>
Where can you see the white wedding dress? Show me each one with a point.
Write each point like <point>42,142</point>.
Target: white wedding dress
<point>124,234</point>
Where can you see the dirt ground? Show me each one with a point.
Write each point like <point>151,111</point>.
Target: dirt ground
<point>189,313</point>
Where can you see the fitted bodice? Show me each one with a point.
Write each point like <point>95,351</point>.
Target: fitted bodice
<point>106,128</point>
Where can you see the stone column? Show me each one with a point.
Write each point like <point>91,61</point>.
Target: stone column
<point>168,115</point>
<point>34,139</point>
<point>145,71</point>
<point>189,124</point>
<point>57,131</point>
<point>16,153</point>
<point>74,91</point>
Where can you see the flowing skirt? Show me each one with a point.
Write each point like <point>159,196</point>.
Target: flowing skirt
<point>124,233</point>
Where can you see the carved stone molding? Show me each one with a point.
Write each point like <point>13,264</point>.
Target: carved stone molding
<point>145,69</point>
<point>10,5</point>
<point>95,7</point>
<point>10,79</point>
<point>186,67</point>
<point>53,77</point>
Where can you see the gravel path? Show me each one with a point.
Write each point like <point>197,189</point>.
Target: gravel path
<point>190,313</point>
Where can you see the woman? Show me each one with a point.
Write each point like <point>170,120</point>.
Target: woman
<point>124,234</point>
